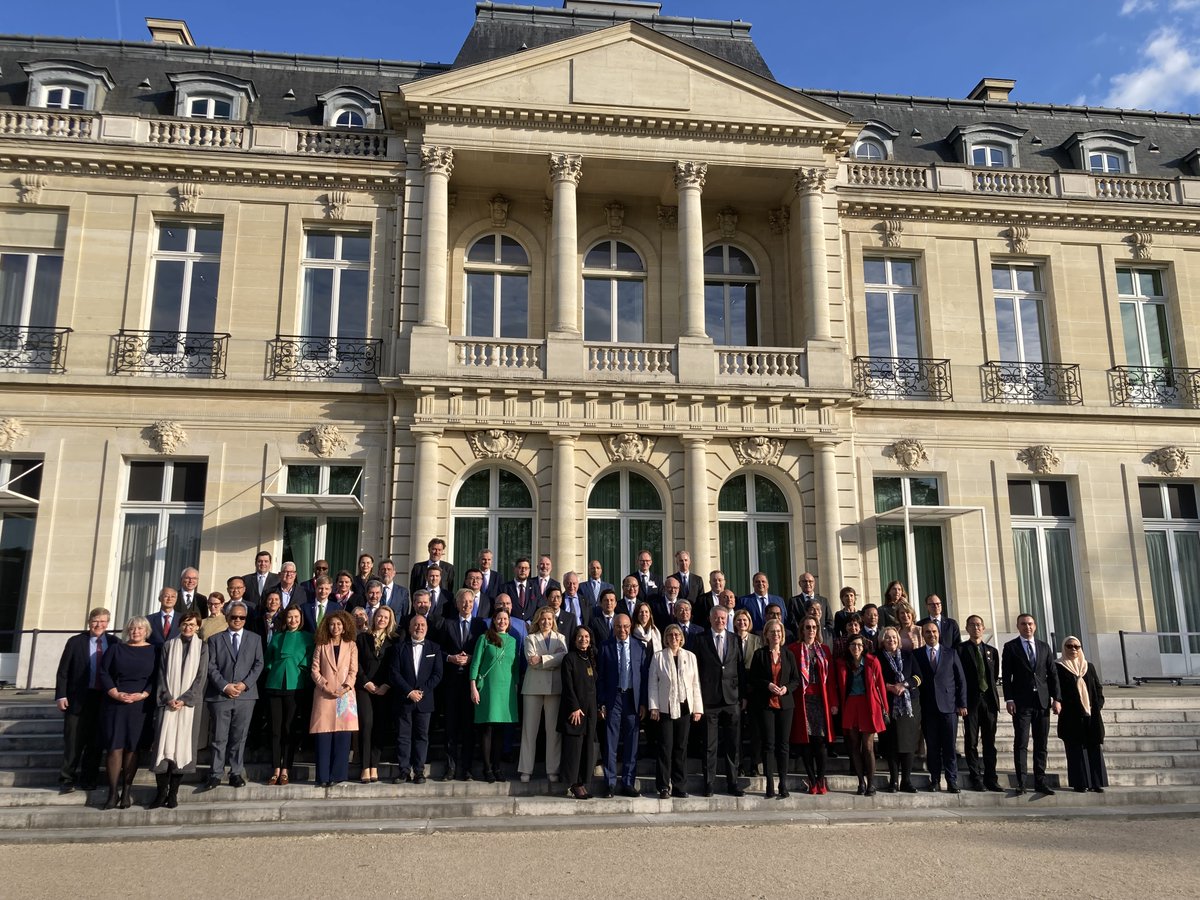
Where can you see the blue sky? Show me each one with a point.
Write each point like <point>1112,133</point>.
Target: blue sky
<point>1143,53</point>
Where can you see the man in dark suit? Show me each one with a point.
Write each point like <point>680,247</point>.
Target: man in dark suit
<point>289,591</point>
<point>710,599</point>
<point>236,588</point>
<point>798,605</point>
<point>756,603</point>
<point>622,692</point>
<point>319,606</point>
<point>164,624</point>
<point>79,697</point>
<point>719,665</point>
<point>489,579</point>
<point>601,622</point>
<point>943,702</point>
<point>629,598</point>
<point>662,605</point>
<point>591,589</point>
<point>542,581</point>
<point>235,660</point>
<point>1030,691</point>
<point>947,627</point>
<point>395,595</point>
<point>416,578</point>
<point>261,580</point>
<point>190,597</point>
<point>440,597</point>
<point>522,590</point>
<point>457,638</point>
<point>691,586</point>
<point>320,567</point>
<point>683,618</point>
<point>649,583</point>
<point>572,602</point>
<point>981,666</point>
<point>421,607</point>
<point>473,582</point>
<point>416,671</point>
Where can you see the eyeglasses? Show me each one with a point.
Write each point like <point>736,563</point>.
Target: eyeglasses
<point>320,568</point>
<point>236,618</point>
<point>1073,646</point>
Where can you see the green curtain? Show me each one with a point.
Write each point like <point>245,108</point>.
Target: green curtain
<point>1166,612</point>
<point>470,538</point>
<point>183,544</point>
<point>893,555</point>
<point>1187,550</point>
<point>1064,596</point>
<point>768,498</point>
<point>515,539</point>
<point>300,541</point>
<point>604,544</point>
<point>341,543</point>
<point>345,480</point>
<point>931,569</point>
<point>606,493</point>
<point>16,549</point>
<point>646,534</point>
<point>512,492</point>
<point>733,496</point>
<point>474,491</point>
<point>775,556</point>
<point>303,480</point>
<point>643,495</point>
<point>735,556</point>
<point>1029,579</point>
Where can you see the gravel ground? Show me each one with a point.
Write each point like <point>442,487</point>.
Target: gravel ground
<point>1084,859</point>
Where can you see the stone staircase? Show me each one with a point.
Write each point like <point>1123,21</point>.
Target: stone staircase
<point>1152,751</point>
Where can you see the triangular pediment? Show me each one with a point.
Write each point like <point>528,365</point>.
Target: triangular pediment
<point>626,73</point>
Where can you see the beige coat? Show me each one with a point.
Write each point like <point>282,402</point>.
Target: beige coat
<point>327,677</point>
<point>544,678</point>
<point>669,688</point>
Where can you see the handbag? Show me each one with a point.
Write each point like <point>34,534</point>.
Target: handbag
<point>346,712</point>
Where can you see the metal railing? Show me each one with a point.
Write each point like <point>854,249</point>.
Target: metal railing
<point>306,357</point>
<point>170,353</point>
<point>1026,382</point>
<point>33,348</point>
<point>12,639</point>
<point>1154,386</point>
<point>1169,642</point>
<point>902,378</point>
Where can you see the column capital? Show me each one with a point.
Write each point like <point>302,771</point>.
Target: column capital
<point>437,160</point>
<point>824,441</point>
<point>563,437</point>
<point>426,433</point>
<point>695,440</point>
<point>810,181</point>
<point>566,167</point>
<point>690,174</point>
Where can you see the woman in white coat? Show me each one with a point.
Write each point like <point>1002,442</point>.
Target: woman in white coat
<point>675,703</point>
<point>541,693</point>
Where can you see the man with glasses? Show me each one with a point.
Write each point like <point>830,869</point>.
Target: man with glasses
<point>79,697</point>
<point>981,665</point>
<point>235,660</point>
<point>1030,693</point>
<point>320,567</point>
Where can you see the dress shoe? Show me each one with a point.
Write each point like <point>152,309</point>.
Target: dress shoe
<point>448,775</point>
<point>708,791</point>
<point>1042,788</point>
<point>769,793</point>
<point>466,776</point>
<point>870,791</point>
<point>66,787</point>
<point>1097,790</point>
<point>213,782</point>
<point>951,787</point>
<point>934,787</point>
<point>735,791</point>
<point>606,792</point>
<point>679,794</point>
<point>814,788</point>
<point>783,794</point>
<point>111,802</point>
<point>489,776</point>
<point>627,790</point>
<point>400,779</point>
<point>993,786</point>
<point>418,779</point>
<point>906,787</point>
<point>237,781</point>
<point>976,784</point>
<point>1019,790</point>
<point>664,794</point>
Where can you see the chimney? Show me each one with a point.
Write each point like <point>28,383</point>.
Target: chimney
<point>170,31</point>
<point>992,89</point>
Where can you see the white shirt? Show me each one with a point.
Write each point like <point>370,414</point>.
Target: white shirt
<point>418,652</point>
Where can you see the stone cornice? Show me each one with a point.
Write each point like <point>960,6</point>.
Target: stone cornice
<point>1110,219</point>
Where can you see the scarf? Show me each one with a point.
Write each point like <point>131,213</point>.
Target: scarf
<point>649,637</point>
<point>810,660</point>
<point>901,703</point>
<point>1078,667</point>
<point>176,742</point>
<point>676,690</point>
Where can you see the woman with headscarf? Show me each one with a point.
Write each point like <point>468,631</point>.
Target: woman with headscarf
<point>1080,727</point>
<point>577,713</point>
<point>183,670</point>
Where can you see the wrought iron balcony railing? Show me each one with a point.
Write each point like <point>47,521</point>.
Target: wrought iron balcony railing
<point>309,357</point>
<point>179,353</point>
<point>1154,386</point>
<point>33,349</point>
<point>1030,382</point>
<point>902,378</point>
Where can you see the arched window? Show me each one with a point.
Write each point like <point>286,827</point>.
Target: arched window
<point>349,118</point>
<point>730,296</point>
<point>209,108</point>
<point>614,294</point>
<point>497,269</point>
<point>624,517</point>
<point>492,509</point>
<point>994,156</point>
<point>65,96</point>
<point>756,533</point>
<point>870,150</point>
<point>1108,162</point>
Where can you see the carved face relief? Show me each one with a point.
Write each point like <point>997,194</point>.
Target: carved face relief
<point>909,453</point>
<point>11,431</point>
<point>1041,459</point>
<point>1170,460</point>
<point>166,437</point>
<point>325,440</point>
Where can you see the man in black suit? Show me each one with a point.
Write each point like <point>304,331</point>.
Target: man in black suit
<point>943,702</point>
<point>947,627</point>
<point>421,607</point>
<point>235,586</point>
<point>662,606</point>
<point>416,671</point>
<point>417,579</point>
<point>457,639</point>
<point>235,660</point>
<point>1030,692</point>
<point>440,597</point>
<point>320,605</point>
<point>542,581</point>
<point>648,582</point>
<point>981,666</point>
<point>600,624</point>
<point>289,591</point>
<point>622,692</point>
<point>79,697</point>
<point>691,585</point>
<point>710,599</point>
<point>522,590</point>
<point>395,595</point>
<point>473,582</point>
<point>572,602</point>
<point>190,597</point>
<point>631,596</point>
<point>683,618</point>
<point>489,579</point>
<point>798,605</point>
<point>719,664</point>
<point>164,623</point>
<point>261,580</point>
<point>320,567</point>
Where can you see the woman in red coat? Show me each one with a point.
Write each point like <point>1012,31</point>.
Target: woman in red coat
<point>863,702</point>
<point>816,703</point>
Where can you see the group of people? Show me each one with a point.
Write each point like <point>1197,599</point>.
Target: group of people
<point>603,672</point>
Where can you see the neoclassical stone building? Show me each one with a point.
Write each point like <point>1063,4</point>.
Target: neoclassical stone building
<point>600,285</point>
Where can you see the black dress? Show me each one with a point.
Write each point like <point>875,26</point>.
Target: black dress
<point>1082,734</point>
<point>578,673</point>
<point>903,733</point>
<point>131,670</point>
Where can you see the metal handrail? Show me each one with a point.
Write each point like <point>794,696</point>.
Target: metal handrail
<point>36,633</point>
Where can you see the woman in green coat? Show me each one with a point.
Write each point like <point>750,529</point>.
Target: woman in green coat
<point>494,690</point>
<point>288,659</point>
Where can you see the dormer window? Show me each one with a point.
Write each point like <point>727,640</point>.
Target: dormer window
<point>1104,152</point>
<point>870,150</point>
<point>349,107</point>
<point>1107,162</point>
<point>349,118</point>
<point>211,95</point>
<point>992,156</point>
<point>992,145</point>
<point>63,84</point>
<point>874,142</point>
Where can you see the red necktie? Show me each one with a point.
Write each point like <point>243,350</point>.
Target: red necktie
<point>521,595</point>
<point>166,626</point>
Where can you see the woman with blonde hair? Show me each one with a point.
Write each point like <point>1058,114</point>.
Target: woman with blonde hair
<point>774,680</point>
<point>675,703</point>
<point>1080,727</point>
<point>335,706</point>
<point>541,693</point>
<point>128,675</point>
<point>906,628</point>
<point>371,686</point>
<point>184,669</point>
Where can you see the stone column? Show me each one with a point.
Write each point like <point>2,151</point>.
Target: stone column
<point>564,513</point>
<point>565,172</point>
<point>829,563</point>
<point>423,515</point>
<point>689,182</point>
<point>438,162</point>
<point>810,188</point>
<point>698,533</point>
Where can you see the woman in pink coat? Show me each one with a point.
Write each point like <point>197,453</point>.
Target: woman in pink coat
<point>334,710</point>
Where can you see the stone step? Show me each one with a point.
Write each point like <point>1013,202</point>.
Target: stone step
<point>24,743</point>
<point>31,726</point>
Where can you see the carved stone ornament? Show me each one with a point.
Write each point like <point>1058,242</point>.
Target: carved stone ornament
<point>1169,460</point>
<point>777,219</point>
<point>628,447</point>
<point>548,210</point>
<point>690,174</point>
<point>758,450</point>
<point>810,180</point>
<point>1041,459</point>
<point>566,167</point>
<point>495,443</point>
<point>324,440</point>
<point>908,453</point>
<point>1018,238</point>
<point>11,431</point>
<point>1142,244</point>
<point>891,230</point>
<point>336,203</point>
<point>668,217</point>
<point>32,187</point>
<point>166,437</point>
<point>615,213</point>
<point>727,221</point>
<point>499,207</point>
<point>187,196</point>
<point>437,160</point>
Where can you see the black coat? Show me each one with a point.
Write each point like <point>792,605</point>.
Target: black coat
<point>991,662</point>
<point>75,670</point>
<point>1073,726</point>
<point>578,692</point>
<point>760,677</point>
<point>372,667</point>
<point>1025,685</point>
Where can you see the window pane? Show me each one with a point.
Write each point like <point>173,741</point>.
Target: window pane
<point>356,247</point>
<point>923,491</point>
<point>512,253</point>
<point>1001,278</point>
<point>1020,498</point>
<point>597,310</point>
<point>1158,345</point>
<point>1129,328</point>
<point>903,272</point>
<point>1029,574</point>
<point>606,493</point>
<point>714,312</point>
<point>187,482</point>
<point>222,109</point>
<point>13,267</point>
<point>733,496</point>
<point>1055,501</point>
<point>135,581</point>
<point>208,238</point>
<point>879,329</point>
<point>480,310</point>
<point>303,479</point>
<point>168,295</point>
<point>1125,281</point>
<point>907,345</point>
<point>202,302</point>
<point>599,257</point>
<point>735,555</point>
<point>931,569</point>
<point>628,259</point>
<point>183,544</point>
<point>768,498</point>
<point>300,541</point>
<point>714,261</point>
<point>345,480</point>
<point>16,549</point>
<point>341,542</point>
<point>320,245</point>
<point>893,555</point>
<point>352,303</point>
<point>514,306</point>
<point>1031,330</point>
<point>775,555</point>
<point>474,491</point>
<point>604,544</point>
<point>1182,499</point>
<point>642,494</point>
<point>629,312</point>
<point>1162,589</point>
<point>1028,279</point>
<point>26,477</point>
<point>1063,596</point>
<point>645,534</point>
<point>44,309</point>
<point>740,262</point>
<point>470,539</point>
<point>318,301</point>
<point>513,493</point>
<point>1150,493</point>
<point>146,480</point>
<point>1187,549</point>
<point>1006,330</point>
<point>888,494</point>
<point>740,299</point>
<point>172,237</point>
<point>874,271</point>
<point>1149,282</point>
<point>483,250</point>
<point>514,540</point>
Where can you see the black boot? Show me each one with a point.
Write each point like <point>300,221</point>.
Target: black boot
<point>160,798</point>
<point>173,791</point>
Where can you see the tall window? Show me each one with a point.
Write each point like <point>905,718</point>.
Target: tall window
<point>1172,522</point>
<point>1144,317</point>
<point>337,274</point>
<point>323,535</point>
<point>209,108</point>
<point>1019,322</point>
<point>65,97</point>
<point>756,533</point>
<point>1044,544</point>
<point>186,265</point>
<point>990,156</point>
<point>891,294</point>
<point>624,517</point>
<point>492,509</point>
<point>915,557</point>
<point>29,283</point>
<point>614,294</point>
<point>730,296</point>
<point>20,488</point>
<point>497,270</point>
<point>161,520</point>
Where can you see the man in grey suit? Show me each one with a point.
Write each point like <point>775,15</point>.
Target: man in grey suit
<point>235,660</point>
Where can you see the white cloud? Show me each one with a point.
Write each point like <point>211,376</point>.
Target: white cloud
<point>1169,79</point>
<point>1133,7</point>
